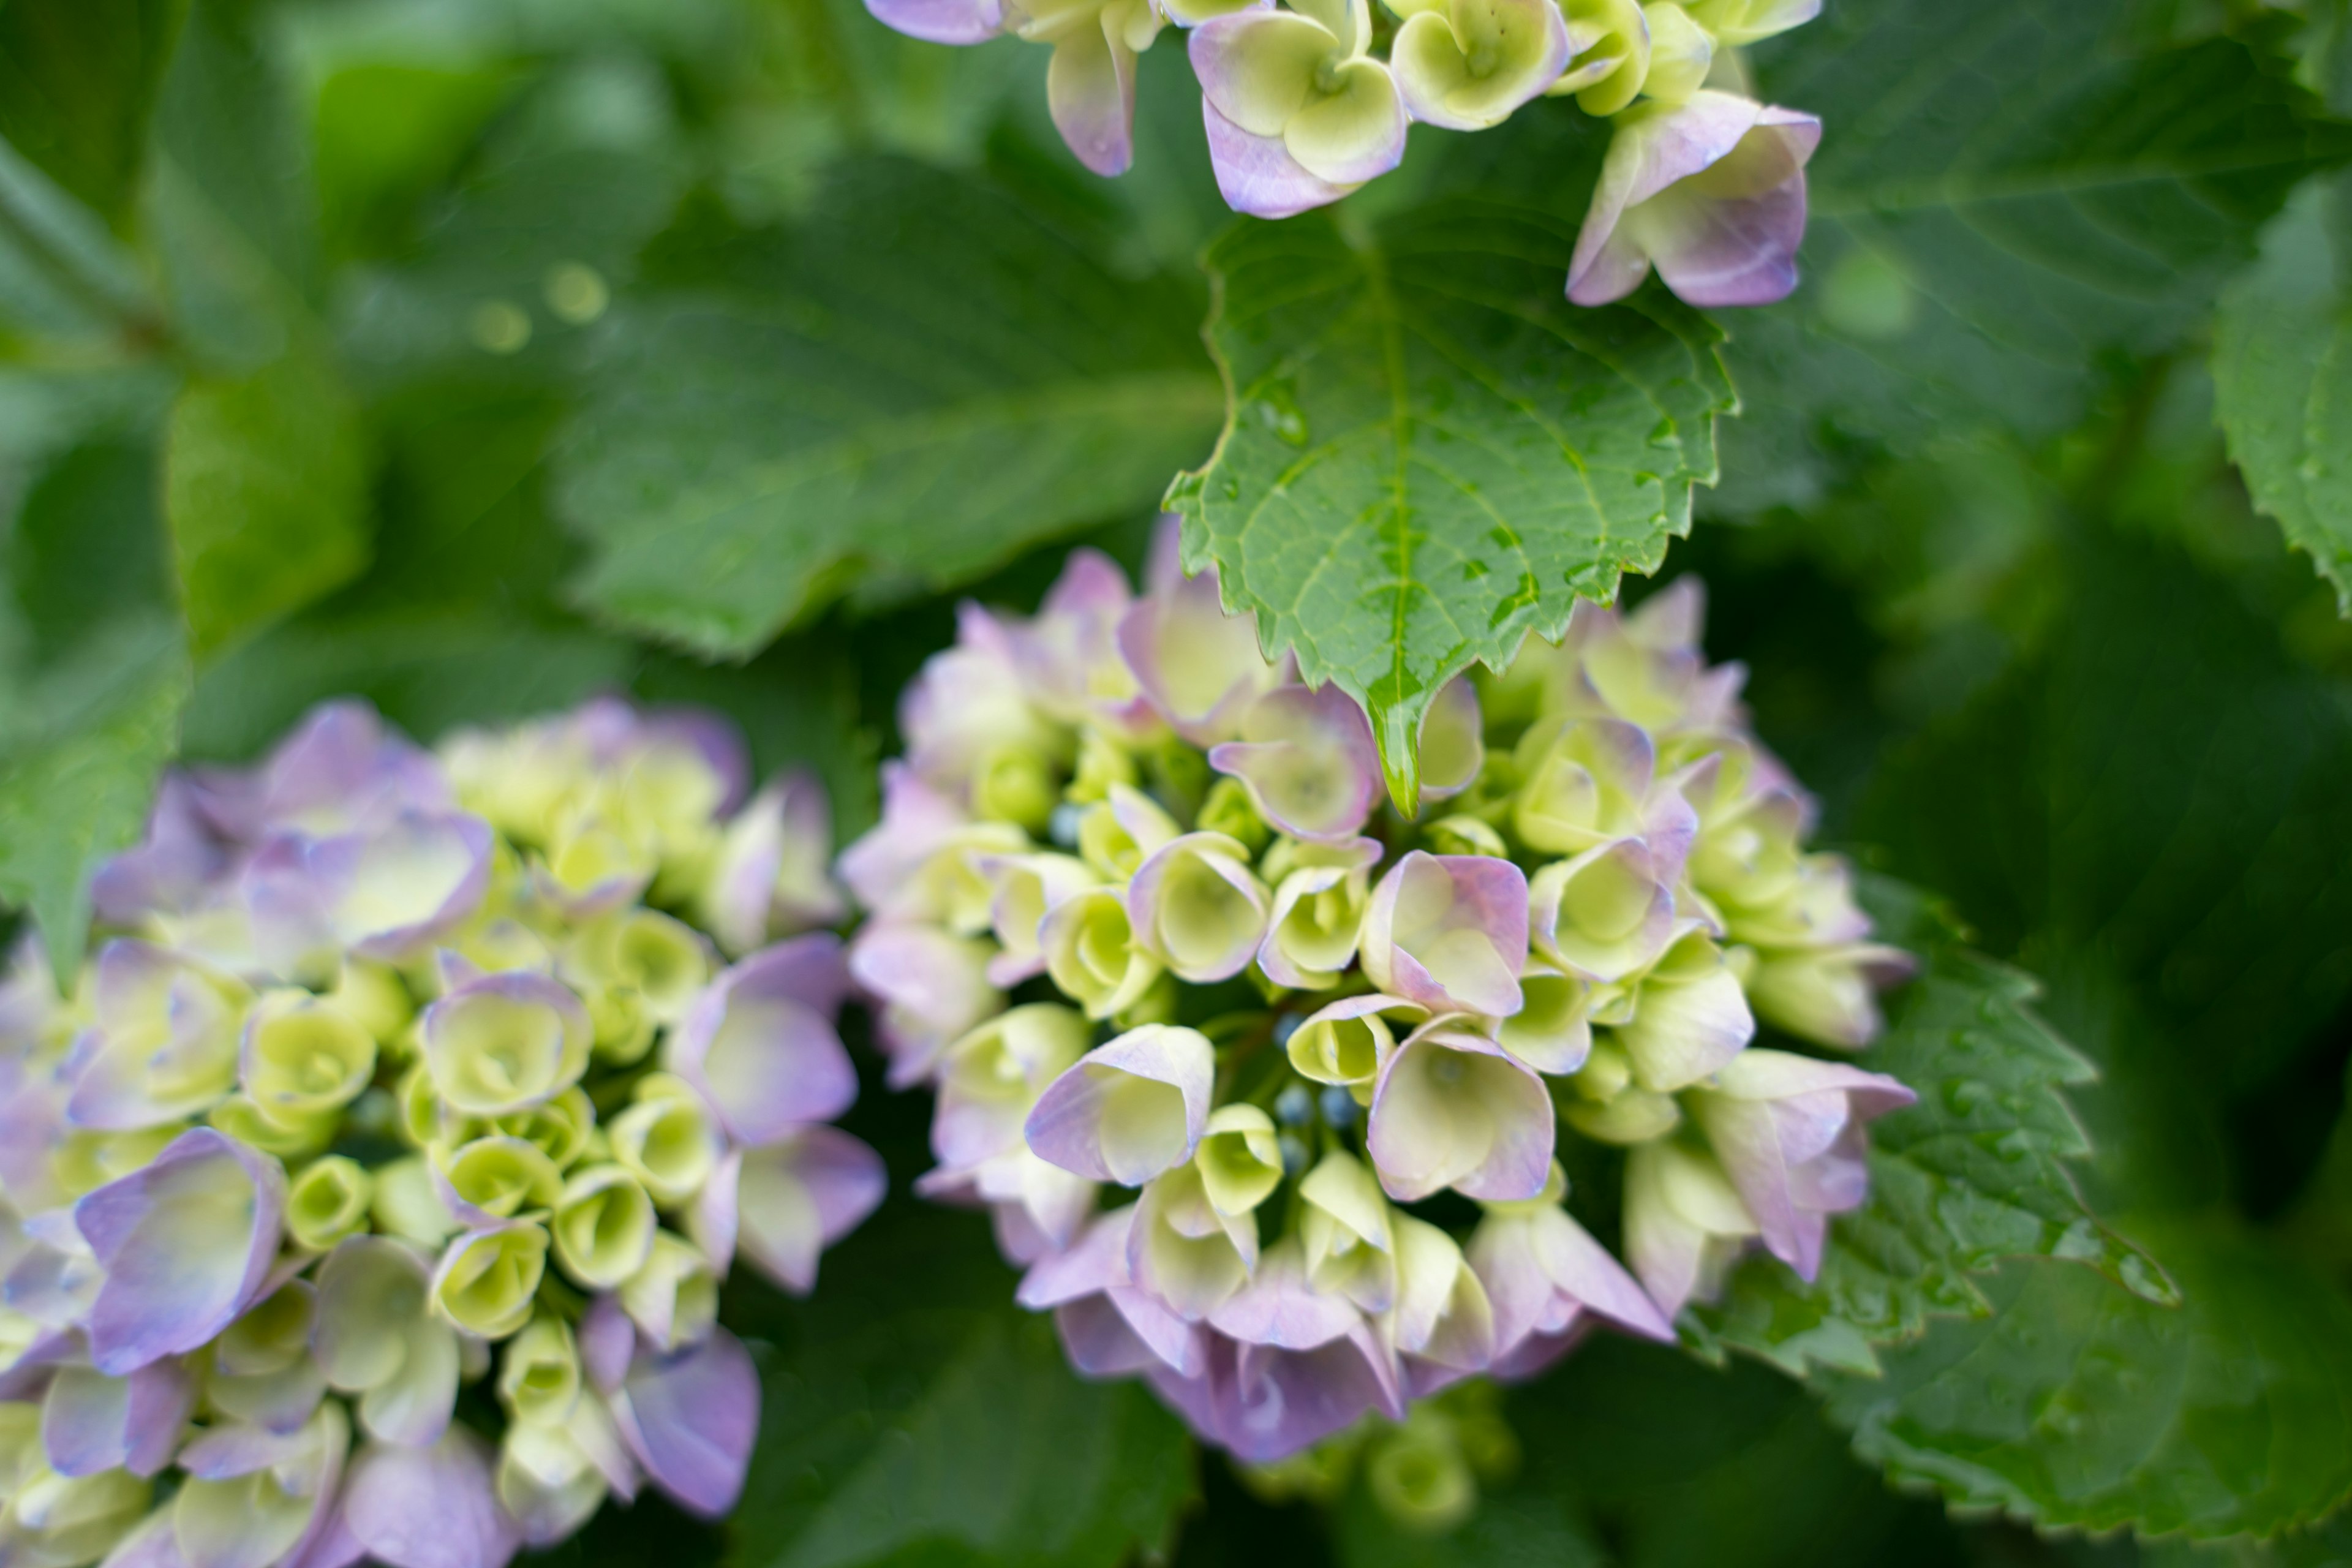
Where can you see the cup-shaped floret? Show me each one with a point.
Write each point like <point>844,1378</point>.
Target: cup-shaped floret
<point>1584,783</point>
<point>932,987</point>
<point>1544,1273</point>
<point>674,1299</point>
<point>1128,1110</point>
<point>1345,1043</point>
<point>1308,757</point>
<point>377,1338</point>
<point>1453,1109</point>
<point>1605,914</point>
<point>769,877</point>
<point>164,1045</point>
<point>552,1478</point>
<point>760,1045</point>
<point>1240,1159</point>
<point>497,1178</point>
<point>327,1202</point>
<point>1318,912</point>
<point>1183,1250</point>
<point>1090,82</point>
<point>1690,1016</point>
<point>184,1244</point>
<point>434,1506</point>
<point>1344,1228</point>
<point>1449,931</point>
<point>1788,1132</point>
<point>51,1518</point>
<point>407,1202</point>
<point>1603,1101</point>
<point>1812,906</point>
<point>1552,1030</point>
<point>1453,740</point>
<point>1199,667</point>
<point>798,1195</point>
<point>557,1128</point>
<point>666,1139</point>
<point>1828,995</point>
<point>1610,40</point>
<point>487,1278</point>
<point>1685,1221</point>
<point>389,893</point>
<point>1443,1324</point>
<point>660,961</point>
<point>1092,953</point>
<point>304,1057</point>
<point>603,1225</point>
<point>989,1079</point>
<point>1027,889</point>
<point>1468,64</point>
<point>258,1496</point>
<point>539,1378</point>
<point>1297,114</point>
<point>1737,24</point>
<point>1198,908</point>
<point>1749,852</point>
<point>503,1043</point>
<point>1123,830</point>
<point>1710,191</point>
<point>1681,53</point>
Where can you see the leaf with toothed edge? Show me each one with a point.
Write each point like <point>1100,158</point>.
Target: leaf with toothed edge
<point>1428,453</point>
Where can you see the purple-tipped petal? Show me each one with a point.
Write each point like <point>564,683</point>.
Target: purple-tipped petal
<point>1309,759</point>
<point>386,894</point>
<point>1256,174</point>
<point>432,1507</point>
<point>1129,1108</point>
<point>759,1043</point>
<point>933,988</point>
<point>170,870</point>
<point>1454,1109</point>
<point>91,1423</point>
<point>1449,931</point>
<point>798,1195</point>
<point>1197,907</point>
<point>165,1046</point>
<point>941,21</point>
<point>185,1243</point>
<point>1199,667</point>
<point>1090,91</point>
<point>690,1417</point>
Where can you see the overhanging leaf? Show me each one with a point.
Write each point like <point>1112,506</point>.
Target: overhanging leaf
<point>1974,1174</point>
<point>1429,453</point>
<point>2283,381</point>
<point>906,389</point>
<point>77,85</point>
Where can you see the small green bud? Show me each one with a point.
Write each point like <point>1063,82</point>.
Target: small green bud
<point>1420,1478</point>
<point>1463,833</point>
<point>305,1058</point>
<point>1015,783</point>
<point>539,1372</point>
<point>487,1280</point>
<point>327,1202</point>
<point>559,1128</point>
<point>242,1119</point>
<point>503,1177</point>
<point>666,1140</point>
<point>1102,762</point>
<point>603,1227</point>
<point>1230,810</point>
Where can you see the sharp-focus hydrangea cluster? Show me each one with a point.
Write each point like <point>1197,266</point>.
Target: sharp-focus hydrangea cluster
<point>403,1073</point>
<point>1700,181</point>
<point>1140,915</point>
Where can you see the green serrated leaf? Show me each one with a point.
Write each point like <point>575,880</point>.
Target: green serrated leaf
<point>77,86</point>
<point>901,392</point>
<point>2080,1406</point>
<point>1974,1174</point>
<point>1429,453</point>
<point>2007,195</point>
<point>2283,381</point>
<point>265,489</point>
<point>941,1424</point>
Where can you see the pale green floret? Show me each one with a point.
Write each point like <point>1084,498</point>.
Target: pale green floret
<point>503,1177</point>
<point>1681,53</point>
<point>1420,1476</point>
<point>1611,39</point>
<point>287,1137</point>
<point>1015,783</point>
<point>1230,810</point>
<point>260,1516</point>
<point>592,854</point>
<point>1462,834</point>
<point>1469,63</point>
<point>405,1203</point>
<point>1343,1051</point>
<point>1091,953</point>
<point>487,1283</point>
<point>505,945</point>
<point>1102,762</point>
<point>674,1299</point>
<point>666,1140</point>
<point>623,1030</point>
<point>327,1202</point>
<point>561,1128</point>
<point>424,1118</point>
<point>84,1162</point>
<point>304,1059</point>
<point>539,1372</point>
<point>371,996</point>
<point>495,1053</point>
<point>1345,1227</point>
<point>648,954</point>
<point>1240,1159</point>
<point>603,1227</point>
<point>1552,1030</point>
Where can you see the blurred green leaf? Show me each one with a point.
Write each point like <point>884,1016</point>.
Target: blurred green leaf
<point>940,1424</point>
<point>2009,196</point>
<point>1977,1171</point>
<point>904,390</point>
<point>265,491</point>
<point>1428,452</point>
<point>2079,1405</point>
<point>2284,381</point>
<point>77,86</point>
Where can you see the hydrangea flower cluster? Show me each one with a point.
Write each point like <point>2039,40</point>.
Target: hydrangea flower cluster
<point>1700,181</point>
<point>401,1073</point>
<point>1142,915</point>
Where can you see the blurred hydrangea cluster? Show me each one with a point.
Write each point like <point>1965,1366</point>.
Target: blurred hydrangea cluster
<point>1142,914</point>
<point>402,1073</point>
<point>1700,180</point>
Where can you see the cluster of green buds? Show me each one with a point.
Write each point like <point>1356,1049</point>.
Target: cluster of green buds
<point>1306,102</point>
<point>396,1072</point>
<point>1140,913</point>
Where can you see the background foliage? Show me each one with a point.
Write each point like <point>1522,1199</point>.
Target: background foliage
<point>478,355</point>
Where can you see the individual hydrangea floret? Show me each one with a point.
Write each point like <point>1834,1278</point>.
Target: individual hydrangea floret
<point>1700,183</point>
<point>1224,1045</point>
<point>399,1072</point>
